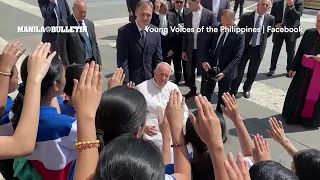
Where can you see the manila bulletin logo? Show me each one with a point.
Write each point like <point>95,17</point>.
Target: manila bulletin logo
<point>52,29</point>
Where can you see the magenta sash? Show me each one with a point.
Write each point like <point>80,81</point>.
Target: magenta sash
<point>314,86</point>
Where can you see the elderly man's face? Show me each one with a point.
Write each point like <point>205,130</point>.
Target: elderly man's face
<point>162,75</point>
<point>80,12</point>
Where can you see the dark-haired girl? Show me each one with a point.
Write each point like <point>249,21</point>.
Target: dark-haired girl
<point>122,110</point>
<point>72,72</point>
<point>54,150</point>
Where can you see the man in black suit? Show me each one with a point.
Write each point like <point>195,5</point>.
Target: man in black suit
<point>220,57</point>
<point>287,13</point>
<point>238,3</point>
<point>216,6</point>
<point>164,20</point>
<point>53,11</point>
<point>255,44</point>
<point>78,47</point>
<point>131,5</point>
<point>199,18</point>
<point>138,48</point>
<point>180,12</point>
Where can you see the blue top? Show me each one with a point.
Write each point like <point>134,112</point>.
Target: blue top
<point>60,100</point>
<point>67,109</point>
<point>9,105</point>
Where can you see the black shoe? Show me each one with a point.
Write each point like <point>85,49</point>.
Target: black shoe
<point>177,82</point>
<point>270,73</point>
<point>190,94</point>
<point>246,94</point>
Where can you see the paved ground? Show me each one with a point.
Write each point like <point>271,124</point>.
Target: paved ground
<point>108,15</point>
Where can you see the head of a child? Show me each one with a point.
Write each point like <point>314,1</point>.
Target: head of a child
<point>14,79</point>
<point>201,163</point>
<point>72,72</point>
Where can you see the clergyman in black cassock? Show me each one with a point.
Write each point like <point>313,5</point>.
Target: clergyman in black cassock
<point>302,103</point>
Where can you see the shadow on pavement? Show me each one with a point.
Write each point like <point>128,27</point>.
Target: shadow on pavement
<point>259,126</point>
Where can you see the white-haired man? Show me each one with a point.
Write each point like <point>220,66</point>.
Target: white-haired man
<point>157,92</point>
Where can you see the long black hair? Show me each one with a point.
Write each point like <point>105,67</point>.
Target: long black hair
<point>53,75</point>
<point>129,158</point>
<point>122,110</point>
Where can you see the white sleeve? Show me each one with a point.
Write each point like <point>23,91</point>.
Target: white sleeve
<point>168,177</point>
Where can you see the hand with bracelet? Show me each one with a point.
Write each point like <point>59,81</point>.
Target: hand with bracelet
<point>86,97</point>
<point>9,79</point>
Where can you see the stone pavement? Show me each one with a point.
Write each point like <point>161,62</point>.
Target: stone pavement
<point>267,94</point>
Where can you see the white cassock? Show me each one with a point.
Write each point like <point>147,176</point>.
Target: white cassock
<point>157,99</point>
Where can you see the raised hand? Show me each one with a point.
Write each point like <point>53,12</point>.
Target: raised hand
<point>116,79</point>
<point>276,130</point>
<point>207,125</point>
<point>230,109</point>
<point>234,171</point>
<point>39,62</point>
<point>261,151</point>
<point>174,111</point>
<point>131,84</point>
<point>87,92</point>
<point>165,128</point>
<point>10,55</point>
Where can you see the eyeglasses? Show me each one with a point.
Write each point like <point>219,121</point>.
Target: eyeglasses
<point>179,2</point>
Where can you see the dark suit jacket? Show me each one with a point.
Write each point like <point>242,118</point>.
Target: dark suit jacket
<point>224,4</point>
<point>247,20</point>
<point>207,20</point>
<point>131,5</point>
<point>133,58</point>
<point>71,45</point>
<point>50,19</point>
<point>230,54</point>
<point>178,45</point>
<point>169,42</point>
<point>292,17</point>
